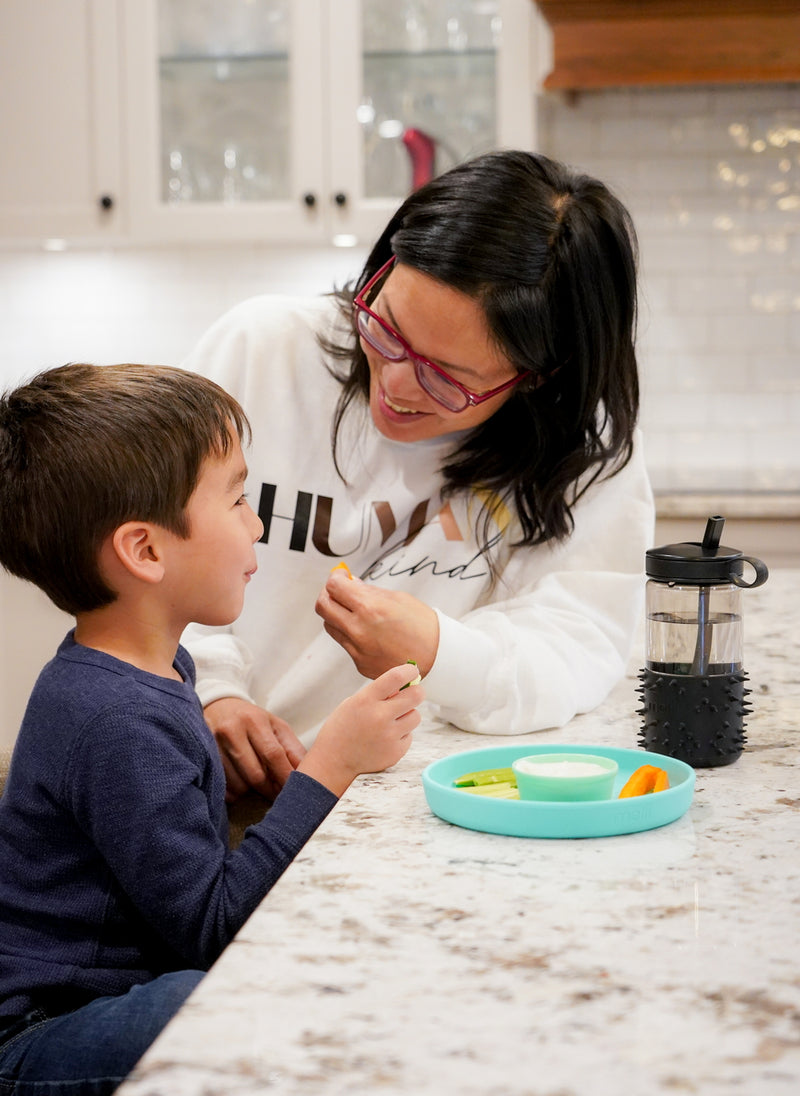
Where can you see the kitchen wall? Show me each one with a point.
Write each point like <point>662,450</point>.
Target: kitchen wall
<point>712,177</point>
<point>141,304</point>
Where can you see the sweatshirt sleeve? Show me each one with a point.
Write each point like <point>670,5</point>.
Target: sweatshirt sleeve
<point>142,798</point>
<point>222,662</point>
<point>552,644</point>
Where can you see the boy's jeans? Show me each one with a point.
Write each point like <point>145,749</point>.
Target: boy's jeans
<point>92,1050</point>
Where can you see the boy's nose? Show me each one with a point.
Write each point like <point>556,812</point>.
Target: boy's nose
<point>256,523</point>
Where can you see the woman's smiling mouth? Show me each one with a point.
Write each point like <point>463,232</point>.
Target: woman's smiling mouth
<point>398,408</point>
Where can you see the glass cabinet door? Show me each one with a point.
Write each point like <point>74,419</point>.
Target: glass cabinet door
<point>224,113</point>
<point>223,73</point>
<point>308,120</point>
<point>418,86</point>
<point>429,89</point>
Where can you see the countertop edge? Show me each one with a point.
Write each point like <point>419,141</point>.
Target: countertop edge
<point>757,505</point>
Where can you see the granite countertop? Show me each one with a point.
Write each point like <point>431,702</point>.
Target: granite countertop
<point>401,954</point>
<point>761,505</point>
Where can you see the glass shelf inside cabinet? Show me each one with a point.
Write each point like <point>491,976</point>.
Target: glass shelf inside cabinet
<point>429,89</point>
<point>224,100</point>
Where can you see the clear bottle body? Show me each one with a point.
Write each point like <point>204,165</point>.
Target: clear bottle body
<point>693,630</point>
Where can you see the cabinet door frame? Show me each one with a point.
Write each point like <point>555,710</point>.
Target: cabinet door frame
<point>284,221</point>
<point>92,60</point>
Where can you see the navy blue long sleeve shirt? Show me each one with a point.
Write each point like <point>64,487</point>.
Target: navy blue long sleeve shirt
<point>114,860</point>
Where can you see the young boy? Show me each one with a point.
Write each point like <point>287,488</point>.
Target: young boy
<point>121,497</point>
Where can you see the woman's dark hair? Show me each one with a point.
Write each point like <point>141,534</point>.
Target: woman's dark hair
<point>551,256</point>
<point>85,448</point>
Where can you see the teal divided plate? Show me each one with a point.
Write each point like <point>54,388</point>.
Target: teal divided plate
<point>526,818</point>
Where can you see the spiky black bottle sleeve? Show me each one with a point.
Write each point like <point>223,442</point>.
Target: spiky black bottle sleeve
<point>699,720</point>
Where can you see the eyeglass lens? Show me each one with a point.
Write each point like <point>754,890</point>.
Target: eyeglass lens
<point>381,339</point>
<point>435,384</point>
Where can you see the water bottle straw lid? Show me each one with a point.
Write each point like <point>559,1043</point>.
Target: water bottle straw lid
<point>703,563</point>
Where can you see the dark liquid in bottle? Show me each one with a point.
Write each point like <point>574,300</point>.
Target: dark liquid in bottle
<point>699,720</point>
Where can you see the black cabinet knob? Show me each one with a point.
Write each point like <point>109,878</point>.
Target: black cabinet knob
<point>106,201</point>
<point>340,198</point>
<point>310,199</point>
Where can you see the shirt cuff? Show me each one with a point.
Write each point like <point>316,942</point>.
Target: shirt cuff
<point>210,690</point>
<point>459,676</point>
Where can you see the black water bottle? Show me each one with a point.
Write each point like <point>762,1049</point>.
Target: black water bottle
<point>693,684</point>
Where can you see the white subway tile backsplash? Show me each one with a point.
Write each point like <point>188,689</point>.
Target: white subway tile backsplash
<point>749,331</point>
<point>777,373</point>
<point>690,132</point>
<point>749,100</point>
<point>759,413</point>
<point>780,448</point>
<point>672,105</point>
<point>794,334</point>
<point>712,178</point>
<point>615,134</point>
<point>687,337</point>
<point>690,409</point>
<point>699,372</point>
<point>793,255</point>
<point>669,174</point>
<point>680,252</point>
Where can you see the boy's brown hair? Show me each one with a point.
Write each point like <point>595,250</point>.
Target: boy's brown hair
<point>85,448</point>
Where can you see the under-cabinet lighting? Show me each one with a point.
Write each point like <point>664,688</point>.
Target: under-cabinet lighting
<point>54,245</point>
<point>344,239</point>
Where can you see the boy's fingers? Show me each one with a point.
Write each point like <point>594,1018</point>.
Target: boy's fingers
<point>405,702</point>
<point>392,681</point>
<point>407,723</point>
<point>411,697</point>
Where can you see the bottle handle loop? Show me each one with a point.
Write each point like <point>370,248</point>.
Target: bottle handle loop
<point>760,577</point>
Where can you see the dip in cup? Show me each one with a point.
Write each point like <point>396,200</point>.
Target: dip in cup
<point>566,777</point>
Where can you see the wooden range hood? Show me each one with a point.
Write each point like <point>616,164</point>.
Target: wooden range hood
<point>615,43</point>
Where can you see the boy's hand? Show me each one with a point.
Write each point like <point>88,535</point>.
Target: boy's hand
<point>378,627</point>
<point>258,750</point>
<point>368,732</point>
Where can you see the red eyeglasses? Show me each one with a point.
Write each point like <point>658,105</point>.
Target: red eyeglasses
<point>383,338</point>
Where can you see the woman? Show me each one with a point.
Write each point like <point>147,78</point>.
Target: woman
<point>460,429</point>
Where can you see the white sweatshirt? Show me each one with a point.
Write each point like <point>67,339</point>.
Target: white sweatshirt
<point>547,640</point>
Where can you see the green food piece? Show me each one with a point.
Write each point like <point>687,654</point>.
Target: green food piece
<point>487,776</point>
<point>415,681</point>
<point>493,791</point>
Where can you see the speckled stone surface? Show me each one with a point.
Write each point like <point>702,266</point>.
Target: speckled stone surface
<point>755,504</point>
<point>401,954</point>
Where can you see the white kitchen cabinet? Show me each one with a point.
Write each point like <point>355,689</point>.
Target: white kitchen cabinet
<point>60,141</point>
<point>309,120</point>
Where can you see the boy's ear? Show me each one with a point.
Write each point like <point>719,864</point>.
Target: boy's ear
<point>136,547</point>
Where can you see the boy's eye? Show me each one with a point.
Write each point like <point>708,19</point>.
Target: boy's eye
<point>241,499</point>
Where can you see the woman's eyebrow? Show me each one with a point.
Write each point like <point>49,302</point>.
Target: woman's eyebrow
<point>449,366</point>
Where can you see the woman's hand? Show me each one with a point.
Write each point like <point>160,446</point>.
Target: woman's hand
<point>378,628</point>
<point>258,750</point>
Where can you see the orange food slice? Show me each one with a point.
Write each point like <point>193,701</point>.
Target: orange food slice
<point>645,780</point>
